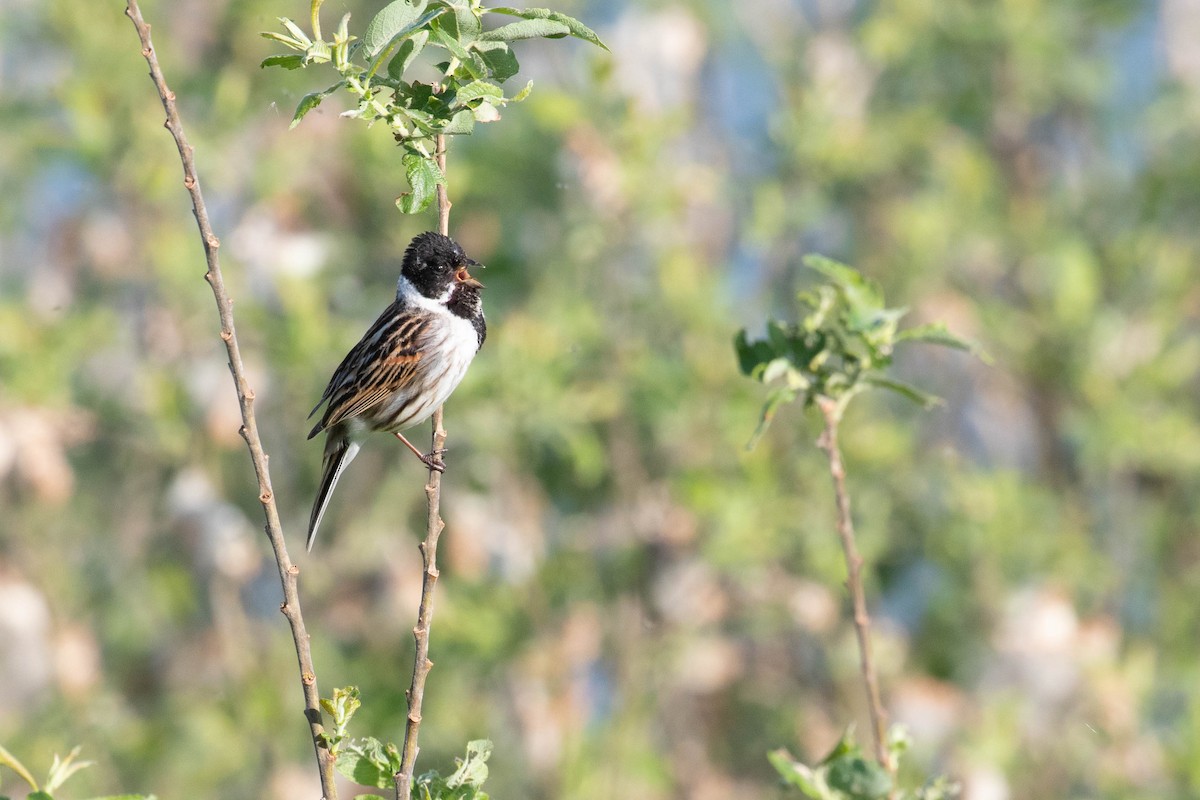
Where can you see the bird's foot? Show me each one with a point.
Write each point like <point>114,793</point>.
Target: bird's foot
<point>434,460</point>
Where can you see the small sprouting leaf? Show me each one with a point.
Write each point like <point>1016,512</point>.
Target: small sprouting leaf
<point>899,741</point>
<point>311,101</point>
<point>921,398</point>
<point>39,796</point>
<point>7,759</point>
<point>342,706</point>
<point>295,31</point>
<point>574,26</point>
<point>938,333</point>
<point>367,797</point>
<point>521,95</point>
<point>392,20</point>
<point>775,398</point>
<point>526,29</point>
<point>406,53</point>
<point>287,61</point>
<point>423,176</point>
<point>61,769</point>
<point>802,777</point>
<point>499,58</point>
<point>295,44</point>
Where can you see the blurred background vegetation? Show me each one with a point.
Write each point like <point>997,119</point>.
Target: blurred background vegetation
<point>631,604</point>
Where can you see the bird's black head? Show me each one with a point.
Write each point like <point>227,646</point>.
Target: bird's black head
<point>436,264</point>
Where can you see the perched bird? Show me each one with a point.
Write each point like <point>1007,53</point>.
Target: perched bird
<point>407,363</point>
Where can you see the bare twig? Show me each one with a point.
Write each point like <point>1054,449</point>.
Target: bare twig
<point>433,494</point>
<point>288,572</point>
<point>828,442</point>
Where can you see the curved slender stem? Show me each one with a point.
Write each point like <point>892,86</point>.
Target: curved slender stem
<point>828,442</point>
<point>288,571</point>
<point>433,495</point>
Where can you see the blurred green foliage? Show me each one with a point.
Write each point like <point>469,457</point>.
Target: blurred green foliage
<point>841,347</point>
<point>630,604</point>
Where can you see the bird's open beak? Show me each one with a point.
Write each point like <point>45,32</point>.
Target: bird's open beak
<point>463,277</point>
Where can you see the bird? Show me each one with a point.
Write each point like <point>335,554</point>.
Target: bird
<point>406,365</point>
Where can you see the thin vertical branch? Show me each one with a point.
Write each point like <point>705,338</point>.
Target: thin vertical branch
<point>433,494</point>
<point>288,572</point>
<point>862,621</point>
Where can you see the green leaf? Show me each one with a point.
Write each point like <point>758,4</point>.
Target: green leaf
<point>576,28</point>
<point>460,124</point>
<point>342,705</point>
<point>393,20</point>
<point>921,398</point>
<point>318,53</point>
<point>775,398</point>
<point>62,769</point>
<point>485,112</point>
<point>499,58</point>
<point>369,762</point>
<point>937,333</point>
<point>7,759</point>
<point>423,176</point>
<point>899,741</point>
<point>445,34</point>
<point>846,746</point>
<point>296,32</point>
<point>802,777</point>
<point>295,44</point>
<point>521,95</point>
<point>466,20</point>
<point>861,295</point>
<point>311,101</point>
<point>476,90</point>
<point>775,369</point>
<point>859,778</point>
<point>751,354</point>
<point>39,796</point>
<point>472,770</point>
<point>417,25</point>
<point>406,53</point>
<point>367,797</point>
<point>526,29</point>
<point>287,61</point>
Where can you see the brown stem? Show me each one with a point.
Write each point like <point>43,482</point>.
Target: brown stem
<point>433,494</point>
<point>288,571</point>
<point>862,621</point>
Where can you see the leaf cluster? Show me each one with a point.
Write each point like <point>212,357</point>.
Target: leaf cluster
<point>472,61</point>
<point>842,345</point>
<point>847,774</point>
<point>370,762</point>
<point>61,769</point>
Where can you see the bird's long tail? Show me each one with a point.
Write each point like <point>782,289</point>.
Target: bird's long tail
<point>340,450</point>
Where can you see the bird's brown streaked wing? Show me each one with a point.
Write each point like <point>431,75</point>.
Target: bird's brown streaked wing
<point>382,363</point>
